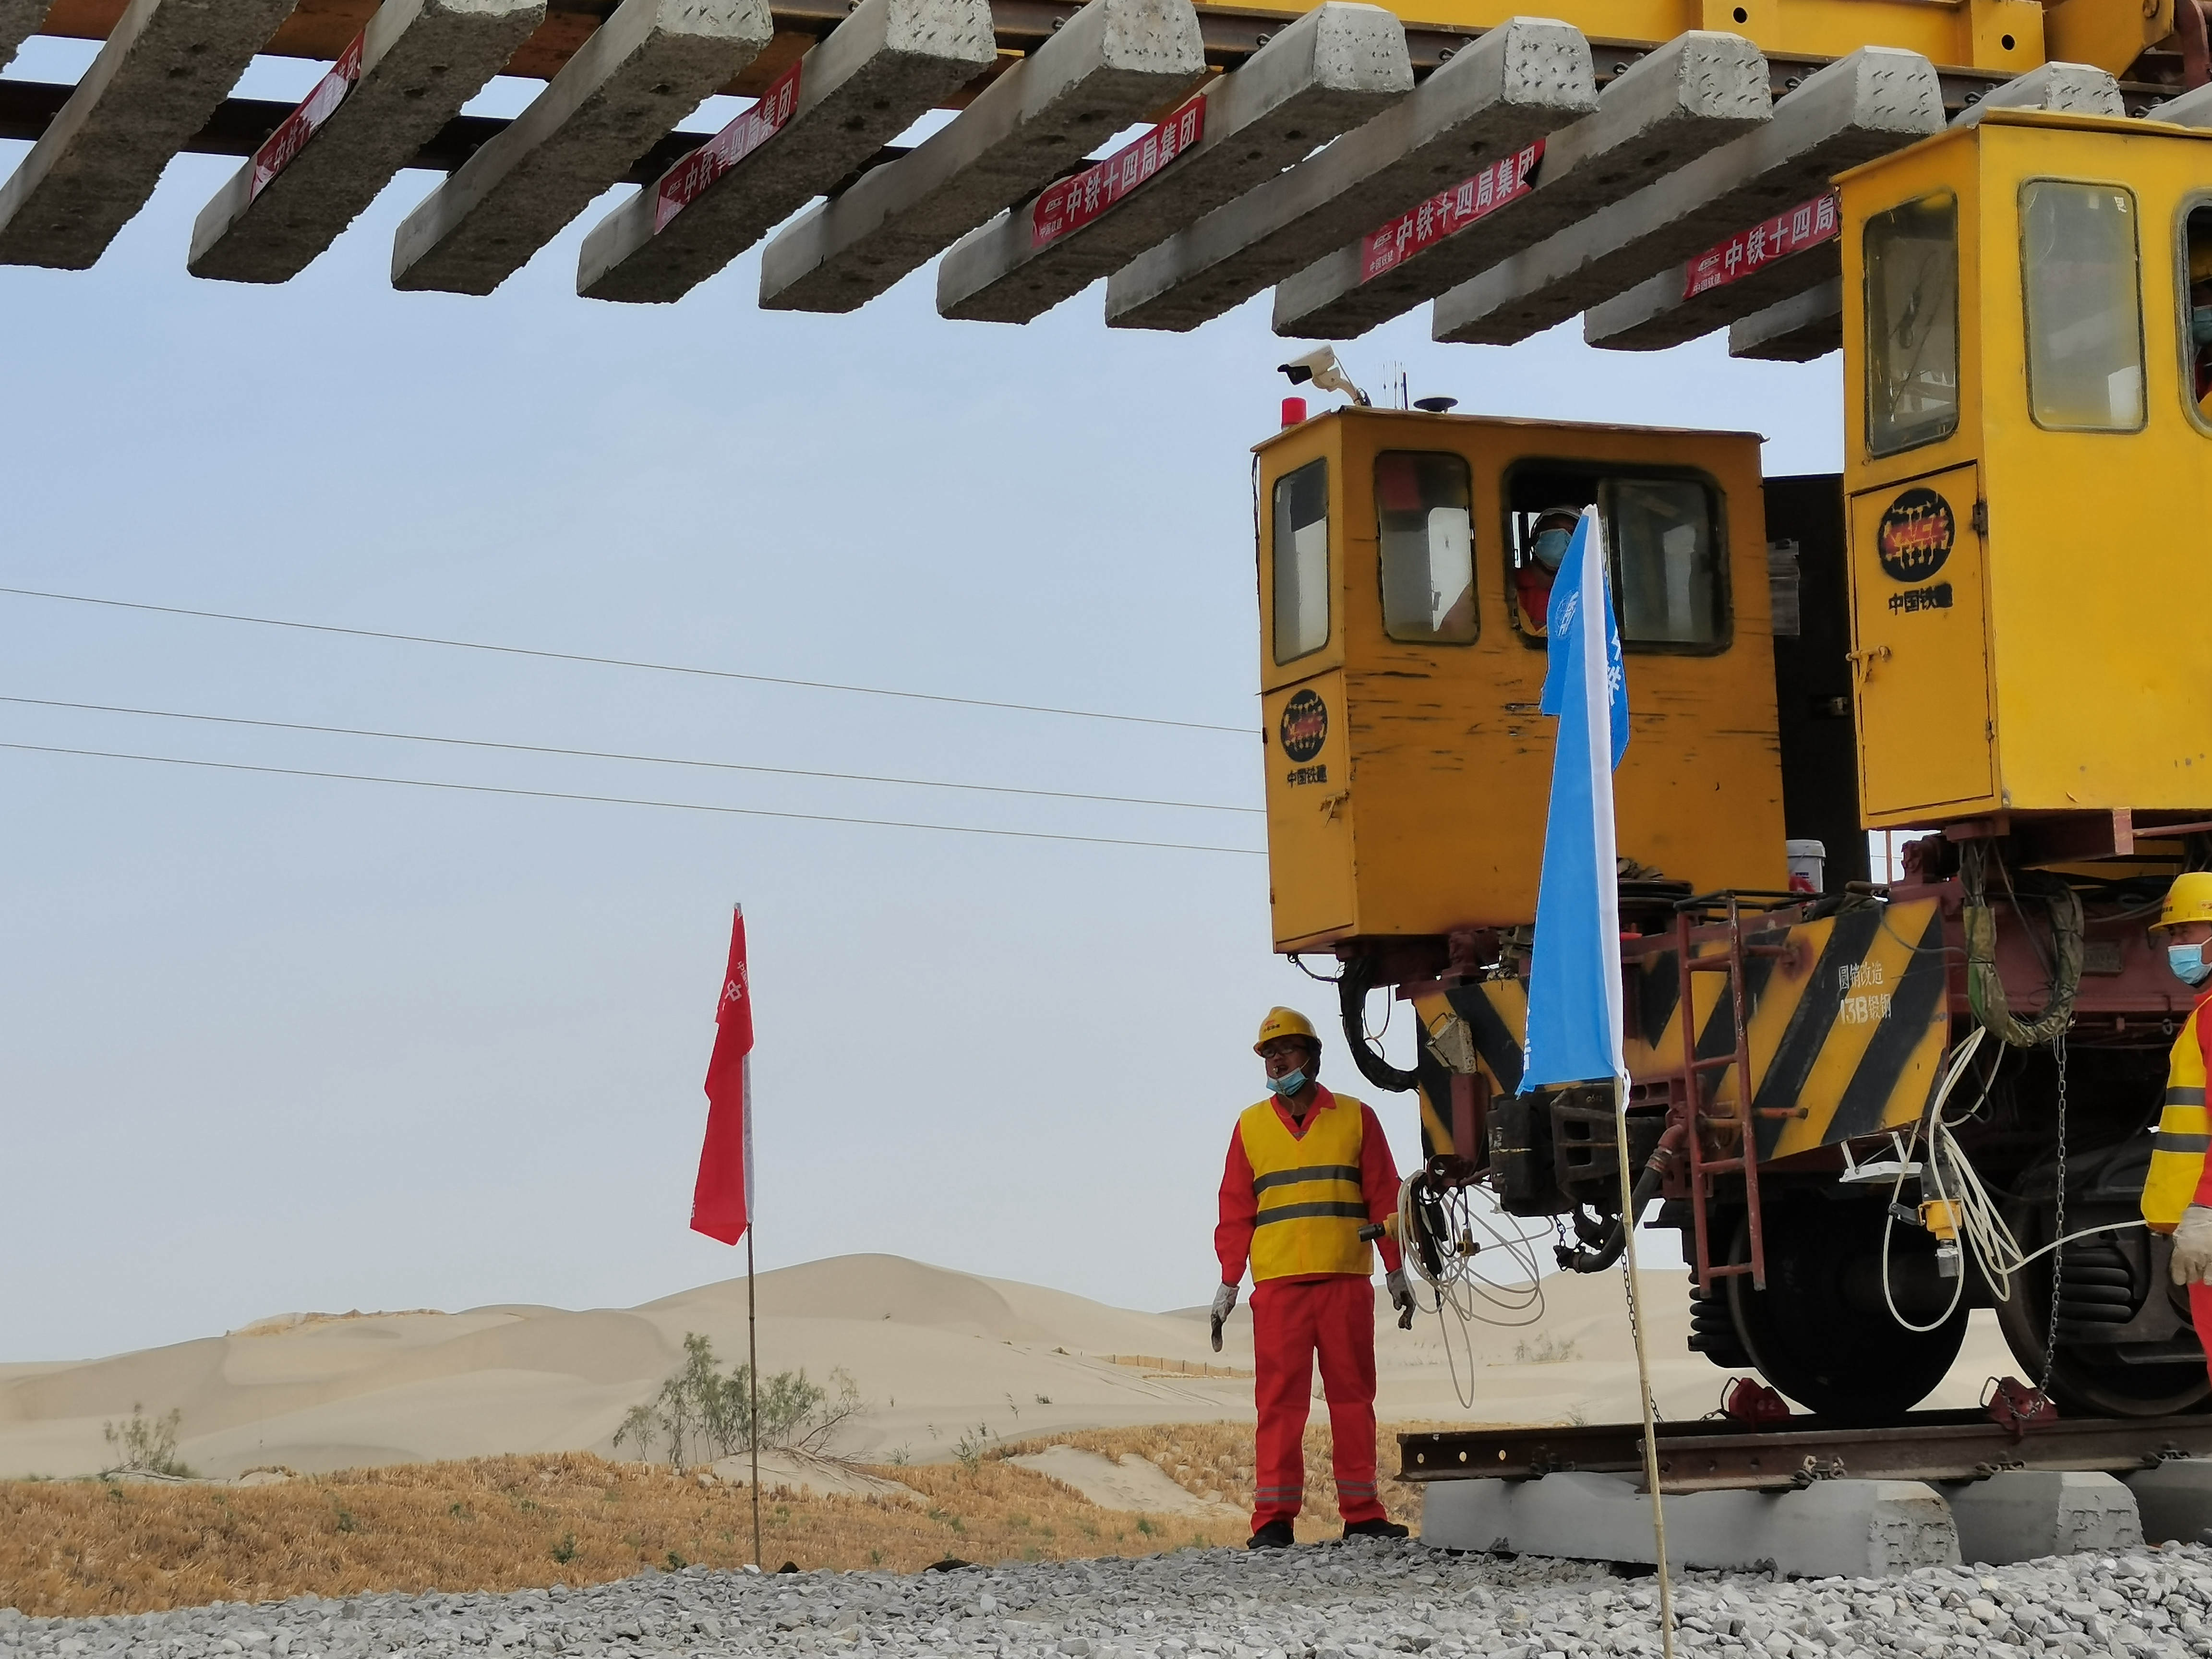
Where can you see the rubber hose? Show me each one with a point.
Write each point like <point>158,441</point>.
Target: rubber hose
<point>1352,988</point>
<point>1985,991</point>
<point>1616,1238</point>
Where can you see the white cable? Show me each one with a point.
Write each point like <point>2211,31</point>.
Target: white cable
<point>2109,1227</point>
<point>1997,1252</point>
<point>1460,1287</point>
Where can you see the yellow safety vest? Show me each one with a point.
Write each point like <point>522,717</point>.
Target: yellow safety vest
<point>1311,1202</point>
<point>2176,1156</point>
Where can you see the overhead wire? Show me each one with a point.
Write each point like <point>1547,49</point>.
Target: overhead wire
<point>618,662</point>
<point>616,755</point>
<point>631,800</point>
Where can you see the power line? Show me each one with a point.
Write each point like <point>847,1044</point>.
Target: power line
<point>629,801</point>
<point>604,754</point>
<point>617,662</point>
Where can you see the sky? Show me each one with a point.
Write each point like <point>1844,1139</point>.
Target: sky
<point>271,1044</point>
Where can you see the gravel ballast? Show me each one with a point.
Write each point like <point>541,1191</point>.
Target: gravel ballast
<point>1353,1601</point>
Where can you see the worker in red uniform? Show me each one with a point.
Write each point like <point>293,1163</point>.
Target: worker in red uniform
<point>2178,1192</point>
<point>1307,1170</point>
<point>1548,540</point>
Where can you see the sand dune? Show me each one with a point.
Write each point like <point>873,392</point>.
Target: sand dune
<point>937,1354</point>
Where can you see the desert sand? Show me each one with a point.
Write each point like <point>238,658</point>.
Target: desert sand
<point>937,1355</point>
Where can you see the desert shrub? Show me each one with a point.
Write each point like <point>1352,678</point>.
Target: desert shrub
<point>145,1445</point>
<point>700,1413</point>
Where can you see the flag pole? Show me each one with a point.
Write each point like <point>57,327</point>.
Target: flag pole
<point>752,1378</point>
<point>1643,1375</point>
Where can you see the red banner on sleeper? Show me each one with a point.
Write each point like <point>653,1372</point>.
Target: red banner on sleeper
<point>284,145</point>
<point>1785,233</point>
<point>685,182</point>
<point>1449,211</point>
<point>1074,203</point>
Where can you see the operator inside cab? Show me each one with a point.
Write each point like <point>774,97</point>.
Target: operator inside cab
<point>1548,540</point>
<point>1307,1171</point>
<point>2178,1192</point>
<point>2200,315</point>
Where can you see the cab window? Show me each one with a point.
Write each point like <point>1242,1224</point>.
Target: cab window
<point>2083,297</point>
<point>2196,310</point>
<point>1425,525</point>
<point>1301,556</point>
<point>1912,325</point>
<point>1668,562</point>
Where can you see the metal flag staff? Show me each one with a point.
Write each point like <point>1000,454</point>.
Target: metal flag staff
<point>722,1201</point>
<point>1574,973</point>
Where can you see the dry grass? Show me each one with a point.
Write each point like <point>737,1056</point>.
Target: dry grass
<point>79,1547</point>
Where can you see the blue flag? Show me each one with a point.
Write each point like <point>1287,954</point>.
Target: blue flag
<point>1574,971</point>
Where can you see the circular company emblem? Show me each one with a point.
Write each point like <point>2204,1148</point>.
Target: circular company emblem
<point>1305,725</point>
<point>1915,536</point>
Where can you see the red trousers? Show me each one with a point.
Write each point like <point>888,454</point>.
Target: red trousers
<point>1291,1320</point>
<point>2200,1316</point>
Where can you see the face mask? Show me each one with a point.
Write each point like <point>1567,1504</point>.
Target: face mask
<point>1550,547</point>
<point>2187,963</point>
<point>2200,325</point>
<point>1290,1082</point>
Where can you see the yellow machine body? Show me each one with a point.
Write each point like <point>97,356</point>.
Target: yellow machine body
<point>2028,471</point>
<point>1408,777</point>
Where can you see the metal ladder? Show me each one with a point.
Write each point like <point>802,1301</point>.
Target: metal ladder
<point>1702,1078</point>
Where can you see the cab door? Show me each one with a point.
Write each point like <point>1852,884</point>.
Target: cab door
<point>1309,852</point>
<point>1920,660</point>
<point>1312,888</point>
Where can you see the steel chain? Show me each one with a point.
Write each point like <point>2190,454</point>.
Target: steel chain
<point>2058,1233</point>
<point>1628,1289</point>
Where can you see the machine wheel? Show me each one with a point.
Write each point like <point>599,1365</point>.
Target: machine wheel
<point>1821,1332</point>
<point>2107,1278</point>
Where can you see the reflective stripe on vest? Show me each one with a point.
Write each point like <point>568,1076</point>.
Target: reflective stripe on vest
<point>1311,1206</point>
<point>2177,1150</point>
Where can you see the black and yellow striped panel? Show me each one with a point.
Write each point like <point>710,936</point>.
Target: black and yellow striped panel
<point>1866,1034</point>
<point>1848,1019</point>
<point>1497,1012</point>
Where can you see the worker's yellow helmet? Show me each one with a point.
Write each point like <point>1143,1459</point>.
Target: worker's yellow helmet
<point>2190,899</point>
<point>2200,259</point>
<point>1282,1023</point>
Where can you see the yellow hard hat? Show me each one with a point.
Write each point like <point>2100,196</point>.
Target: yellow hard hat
<point>1289,1022</point>
<point>2190,899</point>
<point>2200,259</point>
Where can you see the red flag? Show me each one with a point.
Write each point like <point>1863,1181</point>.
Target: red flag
<point>721,1203</point>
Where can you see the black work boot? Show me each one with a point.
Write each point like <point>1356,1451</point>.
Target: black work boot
<point>1378,1528</point>
<point>1275,1536</point>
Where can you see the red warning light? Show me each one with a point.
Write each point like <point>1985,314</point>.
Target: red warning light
<point>1294,411</point>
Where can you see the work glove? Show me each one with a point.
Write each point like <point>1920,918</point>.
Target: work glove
<point>1224,1303</point>
<point>2192,1247</point>
<point>1401,1297</point>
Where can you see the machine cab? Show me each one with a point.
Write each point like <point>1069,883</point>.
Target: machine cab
<point>1402,656</point>
<point>2028,459</point>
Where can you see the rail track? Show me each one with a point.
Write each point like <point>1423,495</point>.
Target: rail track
<point>1719,1454</point>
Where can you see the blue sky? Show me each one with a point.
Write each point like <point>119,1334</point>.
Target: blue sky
<point>274,1044</point>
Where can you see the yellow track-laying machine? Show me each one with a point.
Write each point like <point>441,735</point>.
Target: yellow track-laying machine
<point>1984,633</point>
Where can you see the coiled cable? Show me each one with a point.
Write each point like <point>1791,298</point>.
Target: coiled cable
<point>1947,1176</point>
<point>1437,1235</point>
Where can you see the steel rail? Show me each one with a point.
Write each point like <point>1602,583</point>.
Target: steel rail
<point>1712,1455</point>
